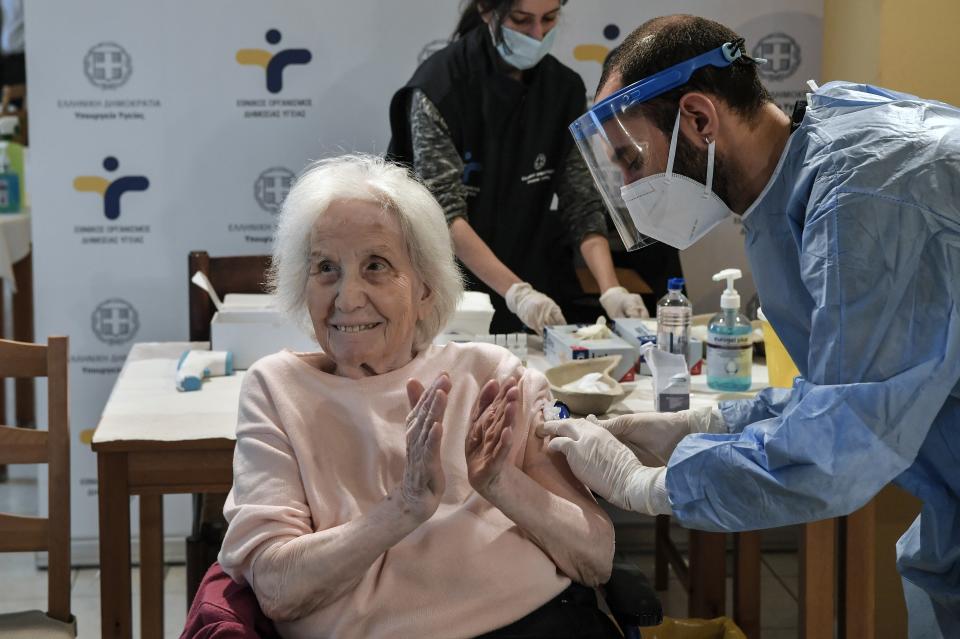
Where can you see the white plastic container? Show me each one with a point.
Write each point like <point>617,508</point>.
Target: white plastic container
<point>250,328</point>
<point>473,315</point>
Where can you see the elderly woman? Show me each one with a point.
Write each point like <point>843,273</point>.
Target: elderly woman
<point>365,504</point>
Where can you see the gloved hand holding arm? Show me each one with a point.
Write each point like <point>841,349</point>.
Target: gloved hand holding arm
<point>608,467</point>
<point>653,436</point>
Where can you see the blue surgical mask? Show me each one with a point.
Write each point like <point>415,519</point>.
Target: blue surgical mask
<point>521,51</point>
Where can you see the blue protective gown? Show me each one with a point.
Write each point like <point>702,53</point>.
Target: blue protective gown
<point>855,250</point>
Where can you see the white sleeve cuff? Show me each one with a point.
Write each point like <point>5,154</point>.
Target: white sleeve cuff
<point>707,419</point>
<point>659,501</point>
<point>717,423</point>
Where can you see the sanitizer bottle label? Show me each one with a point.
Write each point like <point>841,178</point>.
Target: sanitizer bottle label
<point>729,355</point>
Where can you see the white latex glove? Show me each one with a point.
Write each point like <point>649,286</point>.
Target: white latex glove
<point>619,302</point>
<point>653,436</point>
<point>609,468</point>
<point>534,309</point>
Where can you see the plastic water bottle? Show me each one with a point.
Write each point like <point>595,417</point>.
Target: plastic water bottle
<point>674,313</point>
<point>729,344</point>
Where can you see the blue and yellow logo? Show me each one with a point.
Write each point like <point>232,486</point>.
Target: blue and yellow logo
<point>597,52</point>
<point>273,63</point>
<point>111,190</point>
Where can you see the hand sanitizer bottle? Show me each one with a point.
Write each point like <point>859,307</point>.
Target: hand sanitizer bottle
<point>729,344</point>
<point>11,167</point>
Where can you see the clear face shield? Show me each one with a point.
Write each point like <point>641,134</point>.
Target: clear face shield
<point>632,164</point>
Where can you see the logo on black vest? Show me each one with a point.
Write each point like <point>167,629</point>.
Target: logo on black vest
<point>540,174</point>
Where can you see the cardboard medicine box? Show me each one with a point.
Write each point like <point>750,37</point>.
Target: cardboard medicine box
<point>560,345</point>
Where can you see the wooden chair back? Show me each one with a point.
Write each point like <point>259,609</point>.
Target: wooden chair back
<point>234,274</point>
<point>20,533</point>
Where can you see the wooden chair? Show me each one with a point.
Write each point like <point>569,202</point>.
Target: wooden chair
<point>234,274</point>
<point>20,533</point>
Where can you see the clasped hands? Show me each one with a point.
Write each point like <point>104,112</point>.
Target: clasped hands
<point>486,447</point>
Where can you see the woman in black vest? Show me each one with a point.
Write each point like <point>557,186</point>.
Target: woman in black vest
<point>484,122</point>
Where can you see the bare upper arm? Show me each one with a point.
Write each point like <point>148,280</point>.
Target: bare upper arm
<point>551,471</point>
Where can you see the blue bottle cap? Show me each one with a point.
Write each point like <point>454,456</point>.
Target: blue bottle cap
<point>564,410</point>
<point>675,284</point>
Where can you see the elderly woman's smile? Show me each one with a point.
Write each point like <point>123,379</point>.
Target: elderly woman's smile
<point>363,293</point>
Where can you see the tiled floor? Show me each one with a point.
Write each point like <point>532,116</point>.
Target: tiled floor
<point>23,587</point>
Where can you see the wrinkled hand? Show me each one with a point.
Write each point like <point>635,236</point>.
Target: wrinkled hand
<point>490,434</point>
<point>619,302</point>
<point>423,482</point>
<point>534,309</point>
<point>608,467</point>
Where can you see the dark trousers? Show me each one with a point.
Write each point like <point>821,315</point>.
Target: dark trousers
<point>573,614</point>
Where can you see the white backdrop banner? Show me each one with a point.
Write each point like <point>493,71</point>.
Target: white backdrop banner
<point>163,127</point>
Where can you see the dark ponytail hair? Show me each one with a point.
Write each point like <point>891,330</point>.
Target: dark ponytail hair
<point>470,16</point>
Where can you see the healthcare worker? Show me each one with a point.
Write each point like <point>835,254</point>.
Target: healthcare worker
<point>484,122</point>
<point>852,220</point>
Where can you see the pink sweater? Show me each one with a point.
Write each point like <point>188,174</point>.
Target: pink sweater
<point>315,450</point>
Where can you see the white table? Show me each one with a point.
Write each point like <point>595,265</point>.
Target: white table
<point>144,405</point>
<point>153,440</point>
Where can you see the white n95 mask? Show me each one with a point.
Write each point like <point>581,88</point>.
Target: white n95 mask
<point>521,51</point>
<point>673,208</point>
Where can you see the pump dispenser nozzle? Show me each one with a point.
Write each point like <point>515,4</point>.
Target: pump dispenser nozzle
<point>730,297</point>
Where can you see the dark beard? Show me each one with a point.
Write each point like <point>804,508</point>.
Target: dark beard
<point>692,163</point>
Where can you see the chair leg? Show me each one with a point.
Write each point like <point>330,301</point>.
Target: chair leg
<point>22,303</point>
<point>203,545</point>
<point>746,583</point>
<point>708,572</point>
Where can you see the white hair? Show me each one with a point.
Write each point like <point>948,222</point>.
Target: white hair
<point>372,179</point>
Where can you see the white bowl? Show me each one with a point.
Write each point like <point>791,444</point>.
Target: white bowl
<point>581,403</point>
